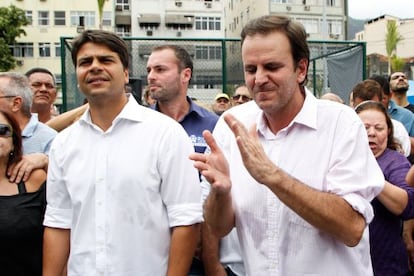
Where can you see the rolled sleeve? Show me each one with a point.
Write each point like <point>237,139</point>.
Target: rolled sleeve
<point>185,214</point>
<point>58,218</point>
<point>361,205</point>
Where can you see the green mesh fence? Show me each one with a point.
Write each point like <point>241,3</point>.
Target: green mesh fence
<point>217,66</point>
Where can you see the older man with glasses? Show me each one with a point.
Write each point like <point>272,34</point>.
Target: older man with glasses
<point>241,95</point>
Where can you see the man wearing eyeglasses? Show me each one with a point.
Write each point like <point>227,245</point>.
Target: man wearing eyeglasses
<point>399,87</point>
<point>241,95</point>
<point>43,87</point>
<point>16,98</point>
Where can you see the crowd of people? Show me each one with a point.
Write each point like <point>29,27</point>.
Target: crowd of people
<point>270,181</point>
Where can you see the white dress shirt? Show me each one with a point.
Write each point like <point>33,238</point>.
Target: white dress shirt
<point>402,137</point>
<point>325,147</point>
<point>121,191</point>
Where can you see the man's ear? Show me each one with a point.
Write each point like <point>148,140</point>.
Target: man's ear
<point>17,103</point>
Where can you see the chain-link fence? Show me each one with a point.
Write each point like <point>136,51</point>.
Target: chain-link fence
<point>218,67</point>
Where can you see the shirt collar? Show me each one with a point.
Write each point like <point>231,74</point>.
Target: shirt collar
<point>31,126</point>
<point>194,108</point>
<point>307,116</point>
<point>131,111</point>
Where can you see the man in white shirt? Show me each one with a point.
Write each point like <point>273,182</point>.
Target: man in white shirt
<point>122,196</point>
<point>300,175</point>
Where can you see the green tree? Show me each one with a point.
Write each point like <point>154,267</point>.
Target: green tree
<point>397,64</point>
<point>12,19</point>
<point>101,4</point>
<point>392,37</point>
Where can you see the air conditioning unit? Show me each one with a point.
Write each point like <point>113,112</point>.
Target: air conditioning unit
<point>149,32</point>
<point>19,62</point>
<point>334,36</point>
<point>178,3</point>
<point>288,8</point>
<point>307,8</point>
<point>179,34</point>
<point>118,8</point>
<point>208,4</point>
<point>43,0</point>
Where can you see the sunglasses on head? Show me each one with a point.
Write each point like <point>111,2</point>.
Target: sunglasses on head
<point>5,130</point>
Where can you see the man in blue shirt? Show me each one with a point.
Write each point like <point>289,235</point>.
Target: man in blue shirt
<point>16,97</point>
<point>170,68</point>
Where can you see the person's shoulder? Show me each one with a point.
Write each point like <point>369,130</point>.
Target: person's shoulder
<point>36,180</point>
<point>46,129</point>
<point>391,156</point>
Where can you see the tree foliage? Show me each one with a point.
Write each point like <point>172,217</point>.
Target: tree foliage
<point>101,4</point>
<point>397,64</point>
<point>392,38</point>
<point>12,19</point>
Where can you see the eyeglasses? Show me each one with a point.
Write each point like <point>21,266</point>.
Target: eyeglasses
<point>7,96</point>
<point>5,130</point>
<point>244,98</point>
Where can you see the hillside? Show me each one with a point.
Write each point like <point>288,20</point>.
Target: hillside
<point>354,26</point>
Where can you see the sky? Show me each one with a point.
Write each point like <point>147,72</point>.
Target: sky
<point>367,9</point>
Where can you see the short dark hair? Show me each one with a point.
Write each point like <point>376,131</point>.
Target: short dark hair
<point>182,55</point>
<point>294,31</point>
<point>17,152</point>
<point>40,70</point>
<point>383,81</point>
<point>366,90</point>
<point>108,39</point>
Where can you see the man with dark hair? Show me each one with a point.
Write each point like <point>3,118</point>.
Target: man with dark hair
<point>170,69</point>
<point>43,85</point>
<point>396,112</point>
<point>122,196</point>
<point>399,87</point>
<point>277,168</point>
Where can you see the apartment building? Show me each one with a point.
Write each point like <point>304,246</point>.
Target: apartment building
<point>374,34</point>
<point>322,19</point>
<point>49,20</point>
<point>160,21</point>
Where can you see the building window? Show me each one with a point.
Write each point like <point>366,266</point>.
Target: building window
<point>282,1</point>
<point>207,23</point>
<point>123,30</point>
<point>88,17</point>
<point>208,52</point>
<point>208,82</point>
<point>60,19</point>
<point>332,3</point>
<point>122,5</point>
<point>57,49</point>
<point>107,18</point>
<point>43,18</point>
<point>29,17</point>
<point>44,49</point>
<point>334,27</point>
<point>311,25</point>
<point>22,50</point>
